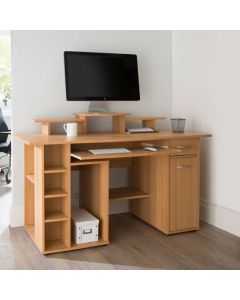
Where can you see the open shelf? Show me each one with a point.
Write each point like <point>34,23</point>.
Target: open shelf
<point>57,169</point>
<point>56,235</point>
<point>55,246</point>
<point>126,193</point>
<point>55,216</point>
<point>55,185</point>
<point>54,193</point>
<point>31,178</point>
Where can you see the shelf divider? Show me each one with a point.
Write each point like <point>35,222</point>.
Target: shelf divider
<point>57,169</point>
<point>55,216</point>
<point>54,193</point>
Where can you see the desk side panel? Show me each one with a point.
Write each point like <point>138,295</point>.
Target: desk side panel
<point>151,175</point>
<point>39,197</point>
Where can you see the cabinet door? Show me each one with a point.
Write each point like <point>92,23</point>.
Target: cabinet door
<point>184,193</point>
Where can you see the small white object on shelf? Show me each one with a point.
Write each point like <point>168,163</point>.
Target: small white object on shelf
<point>140,130</point>
<point>85,226</point>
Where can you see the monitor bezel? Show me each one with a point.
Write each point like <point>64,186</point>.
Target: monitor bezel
<point>69,98</point>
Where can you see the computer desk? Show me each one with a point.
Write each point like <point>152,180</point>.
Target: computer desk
<point>163,188</point>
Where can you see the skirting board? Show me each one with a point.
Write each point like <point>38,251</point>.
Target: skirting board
<point>221,217</point>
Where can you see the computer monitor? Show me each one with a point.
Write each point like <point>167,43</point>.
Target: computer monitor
<point>101,77</point>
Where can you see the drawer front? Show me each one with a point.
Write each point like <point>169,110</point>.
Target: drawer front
<point>186,146</point>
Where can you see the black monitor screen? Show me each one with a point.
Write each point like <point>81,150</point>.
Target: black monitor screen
<point>101,76</point>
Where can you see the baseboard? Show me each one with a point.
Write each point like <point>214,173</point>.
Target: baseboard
<point>220,217</point>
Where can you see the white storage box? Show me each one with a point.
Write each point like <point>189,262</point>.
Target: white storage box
<point>85,226</point>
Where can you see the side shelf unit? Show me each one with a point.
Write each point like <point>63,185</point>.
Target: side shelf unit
<point>47,194</point>
<point>48,198</point>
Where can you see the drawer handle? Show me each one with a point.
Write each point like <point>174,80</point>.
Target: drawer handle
<point>183,147</point>
<point>87,231</point>
<point>184,166</point>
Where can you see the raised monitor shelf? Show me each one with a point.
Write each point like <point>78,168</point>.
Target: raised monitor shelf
<point>46,123</point>
<point>55,193</point>
<point>147,121</point>
<point>126,193</point>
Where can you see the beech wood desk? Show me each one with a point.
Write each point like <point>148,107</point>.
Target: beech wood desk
<point>163,190</point>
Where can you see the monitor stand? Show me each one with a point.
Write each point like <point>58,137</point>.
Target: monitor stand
<point>98,107</point>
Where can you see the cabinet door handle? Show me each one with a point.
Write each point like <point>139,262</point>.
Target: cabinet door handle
<point>184,166</point>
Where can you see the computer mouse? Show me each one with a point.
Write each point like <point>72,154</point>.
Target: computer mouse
<point>153,149</point>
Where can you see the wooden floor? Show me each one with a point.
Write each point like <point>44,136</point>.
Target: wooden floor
<point>134,245</point>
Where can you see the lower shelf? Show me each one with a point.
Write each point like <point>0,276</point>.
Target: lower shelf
<point>59,246</point>
<point>126,193</point>
<point>54,246</point>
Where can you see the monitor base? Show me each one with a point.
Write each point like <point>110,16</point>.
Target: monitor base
<point>98,107</point>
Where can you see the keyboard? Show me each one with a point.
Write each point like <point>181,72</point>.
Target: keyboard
<point>109,151</point>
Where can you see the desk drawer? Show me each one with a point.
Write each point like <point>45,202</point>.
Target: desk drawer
<point>187,146</point>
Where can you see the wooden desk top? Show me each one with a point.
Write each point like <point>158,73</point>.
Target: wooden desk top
<point>39,139</point>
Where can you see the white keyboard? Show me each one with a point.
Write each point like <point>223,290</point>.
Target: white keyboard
<point>109,151</point>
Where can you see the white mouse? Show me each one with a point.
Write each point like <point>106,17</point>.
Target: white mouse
<point>153,149</point>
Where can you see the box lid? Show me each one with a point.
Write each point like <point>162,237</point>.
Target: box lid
<point>80,215</point>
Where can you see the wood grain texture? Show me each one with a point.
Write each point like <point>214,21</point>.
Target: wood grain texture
<point>38,139</point>
<point>39,197</point>
<point>134,245</point>
<point>93,115</point>
<point>28,186</point>
<point>144,118</point>
<point>184,193</point>
<point>58,120</point>
<point>118,124</point>
<point>151,175</point>
<point>126,193</point>
<point>187,146</point>
<point>150,124</point>
<point>46,128</point>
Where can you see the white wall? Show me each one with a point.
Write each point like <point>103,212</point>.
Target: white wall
<point>206,90</point>
<point>39,85</point>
